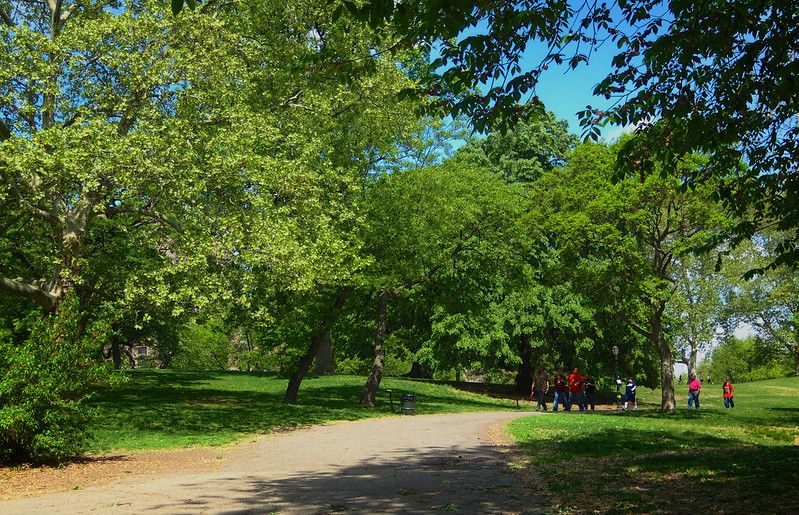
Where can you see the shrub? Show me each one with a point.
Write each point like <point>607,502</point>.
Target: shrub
<point>44,383</point>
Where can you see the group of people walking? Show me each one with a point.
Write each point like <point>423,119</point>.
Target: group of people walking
<point>578,389</point>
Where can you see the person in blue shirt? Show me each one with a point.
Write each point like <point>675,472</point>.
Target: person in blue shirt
<point>629,394</point>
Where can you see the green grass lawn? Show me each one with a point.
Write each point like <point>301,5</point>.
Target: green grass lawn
<point>744,460</point>
<point>162,409</point>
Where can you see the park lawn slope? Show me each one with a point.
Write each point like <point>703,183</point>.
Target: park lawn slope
<point>158,409</point>
<point>744,460</point>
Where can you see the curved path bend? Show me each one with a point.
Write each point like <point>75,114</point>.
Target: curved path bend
<point>420,464</point>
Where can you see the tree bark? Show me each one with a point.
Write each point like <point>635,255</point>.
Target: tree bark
<point>369,392</point>
<point>419,371</point>
<point>693,358</point>
<point>304,365</point>
<point>524,377</point>
<point>796,360</point>
<point>324,356</point>
<point>116,354</point>
<point>667,402</point>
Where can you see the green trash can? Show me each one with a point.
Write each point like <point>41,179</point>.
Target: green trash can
<point>408,404</point>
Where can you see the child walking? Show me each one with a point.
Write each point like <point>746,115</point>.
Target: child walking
<point>729,394</point>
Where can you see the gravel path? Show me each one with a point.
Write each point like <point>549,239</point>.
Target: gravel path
<point>397,464</point>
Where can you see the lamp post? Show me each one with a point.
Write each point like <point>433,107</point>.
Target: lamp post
<point>618,380</point>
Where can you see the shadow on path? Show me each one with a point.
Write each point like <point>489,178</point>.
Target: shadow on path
<point>412,480</point>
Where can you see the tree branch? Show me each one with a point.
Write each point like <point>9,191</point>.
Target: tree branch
<point>114,211</point>
<point>5,132</point>
<point>20,288</point>
<point>7,19</point>
<point>48,216</point>
<point>66,15</point>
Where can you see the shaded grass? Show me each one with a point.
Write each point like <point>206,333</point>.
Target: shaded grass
<point>744,460</point>
<point>162,409</point>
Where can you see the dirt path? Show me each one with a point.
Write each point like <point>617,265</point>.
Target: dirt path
<point>397,464</point>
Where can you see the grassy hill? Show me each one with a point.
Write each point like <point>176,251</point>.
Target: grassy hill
<point>161,409</point>
<point>742,460</point>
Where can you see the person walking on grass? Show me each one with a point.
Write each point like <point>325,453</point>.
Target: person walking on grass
<point>629,395</point>
<point>729,394</point>
<point>561,389</point>
<point>540,389</point>
<point>693,392</point>
<point>575,390</point>
<point>590,392</point>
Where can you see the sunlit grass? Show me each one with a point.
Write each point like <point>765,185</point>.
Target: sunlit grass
<point>161,409</point>
<point>741,460</point>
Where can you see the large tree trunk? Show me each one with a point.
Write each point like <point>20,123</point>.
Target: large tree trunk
<point>116,354</point>
<point>667,402</point>
<point>322,327</point>
<point>694,358</point>
<point>419,371</point>
<point>369,392</point>
<point>324,356</point>
<point>795,352</point>
<point>524,377</point>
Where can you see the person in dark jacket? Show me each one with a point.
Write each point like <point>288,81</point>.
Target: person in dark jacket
<point>629,395</point>
<point>590,391</point>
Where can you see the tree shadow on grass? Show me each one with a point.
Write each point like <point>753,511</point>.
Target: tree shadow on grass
<point>192,407</point>
<point>636,470</point>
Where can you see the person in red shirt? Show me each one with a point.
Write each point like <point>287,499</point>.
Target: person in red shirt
<point>575,390</point>
<point>729,394</point>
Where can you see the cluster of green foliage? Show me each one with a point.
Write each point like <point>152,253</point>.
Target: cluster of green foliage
<point>710,459</point>
<point>45,382</point>
<point>249,185</point>
<point>747,359</point>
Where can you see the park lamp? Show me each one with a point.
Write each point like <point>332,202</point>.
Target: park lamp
<point>618,379</point>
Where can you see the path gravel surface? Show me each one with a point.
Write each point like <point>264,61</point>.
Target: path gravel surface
<point>410,464</point>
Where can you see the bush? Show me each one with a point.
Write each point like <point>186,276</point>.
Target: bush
<point>203,347</point>
<point>745,360</point>
<point>44,383</point>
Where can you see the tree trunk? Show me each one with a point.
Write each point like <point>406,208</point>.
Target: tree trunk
<point>796,360</point>
<point>524,377</point>
<point>322,327</point>
<point>693,358</point>
<point>667,403</point>
<point>324,356</point>
<point>419,371</point>
<point>369,393</point>
<point>116,354</point>
<point>293,387</point>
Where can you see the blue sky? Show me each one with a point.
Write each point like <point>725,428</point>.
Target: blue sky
<point>565,91</point>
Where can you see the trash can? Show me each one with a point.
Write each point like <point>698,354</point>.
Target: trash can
<point>408,404</point>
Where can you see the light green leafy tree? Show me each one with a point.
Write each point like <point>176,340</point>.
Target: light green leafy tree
<point>426,223</point>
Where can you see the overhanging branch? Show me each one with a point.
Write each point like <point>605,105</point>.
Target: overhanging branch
<point>114,211</point>
<point>20,288</point>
